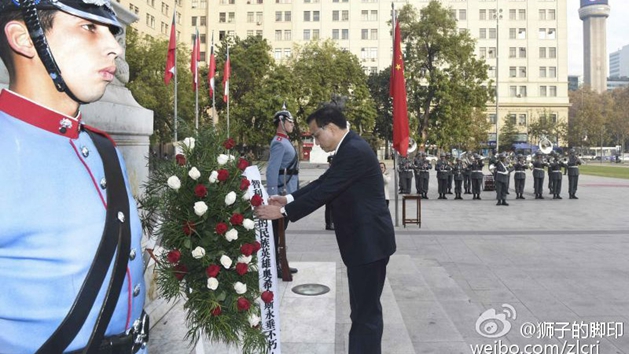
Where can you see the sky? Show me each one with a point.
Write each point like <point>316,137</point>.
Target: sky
<point>617,32</point>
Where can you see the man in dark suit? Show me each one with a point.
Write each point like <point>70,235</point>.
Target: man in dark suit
<point>354,187</point>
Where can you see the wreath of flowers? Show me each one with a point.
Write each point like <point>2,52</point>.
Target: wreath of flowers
<point>199,209</point>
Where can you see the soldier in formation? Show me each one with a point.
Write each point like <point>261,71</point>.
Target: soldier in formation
<point>422,176</point>
<point>457,171</point>
<point>520,168</point>
<point>405,171</point>
<point>443,170</point>
<point>573,173</point>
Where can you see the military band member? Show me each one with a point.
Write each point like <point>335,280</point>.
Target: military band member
<point>551,158</point>
<point>405,171</point>
<point>50,241</point>
<point>282,170</point>
<point>538,175</point>
<point>443,170</point>
<point>502,177</point>
<point>422,176</point>
<point>458,170</point>
<point>555,174</point>
<point>467,179</point>
<point>477,176</point>
<point>519,177</point>
<point>450,177</point>
<point>573,173</point>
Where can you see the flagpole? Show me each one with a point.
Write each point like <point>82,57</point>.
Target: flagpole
<point>176,77</point>
<point>397,197</point>
<point>196,83</point>
<point>214,120</point>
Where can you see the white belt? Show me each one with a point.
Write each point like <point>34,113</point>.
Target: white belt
<point>519,171</point>
<point>573,166</point>
<point>539,168</point>
<point>503,173</point>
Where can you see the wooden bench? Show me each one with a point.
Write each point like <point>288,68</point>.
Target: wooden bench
<point>418,218</point>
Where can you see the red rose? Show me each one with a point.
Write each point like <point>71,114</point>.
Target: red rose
<point>267,296</point>
<point>256,246</point>
<point>180,271</point>
<point>181,160</point>
<point>221,228</point>
<point>200,190</point>
<point>223,175</point>
<point>242,164</point>
<point>217,311</point>
<point>174,256</point>
<point>229,144</point>
<point>188,228</point>
<point>243,304</point>
<point>256,200</point>
<point>236,219</point>
<point>212,271</point>
<point>247,249</point>
<point>242,268</point>
<point>244,184</point>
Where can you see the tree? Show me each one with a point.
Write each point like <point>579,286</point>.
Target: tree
<point>549,126</point>
<point>322,72</point>
<point>146,57</point>
<point>379,89</point>
<point>445,80</point>
<point>508,134</point>
<point>619,116</point>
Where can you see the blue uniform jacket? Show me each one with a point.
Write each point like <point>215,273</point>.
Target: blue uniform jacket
<point>281,157</point>
<point>52,211</point>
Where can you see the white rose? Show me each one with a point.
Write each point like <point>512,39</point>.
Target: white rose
<point>200,208</point>
<point>212,283</point>
<point>254,320</point>
<point>230,198</point>
<point>232,157</point>
<point>240,288</point>
<point>248,224</point>
<point>231,235</point>
<point>189,143</point>
<point>194,173</point>
<point>226,261</point>
<point>213,177</point>
<point>174,182</point>
<point>246,196</point>
<point>244,259</point>
<point>222,159</point>
<point>198,252</point>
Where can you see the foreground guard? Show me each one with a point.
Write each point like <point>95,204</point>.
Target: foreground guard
<point>422,176</point>
<point>443,171</point>
<point>538,175</point>
<point>573,173</point>
<point>70,237</point>
<point>520,176</point>
<point>477,176</point>
<point>502,178</point>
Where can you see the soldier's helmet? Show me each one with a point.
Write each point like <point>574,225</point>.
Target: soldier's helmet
<point>443,154</point>
<point>520,156</point>
<point>502,156</point>
<point>572,151</point>
<point>94,10</point>
<point>284,116</point>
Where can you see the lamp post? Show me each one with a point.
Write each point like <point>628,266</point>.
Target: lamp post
<point>498,17</point>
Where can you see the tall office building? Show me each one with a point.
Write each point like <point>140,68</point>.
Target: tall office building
<point>619,63</point>
<point>528,42</point>
<point>594,14</point>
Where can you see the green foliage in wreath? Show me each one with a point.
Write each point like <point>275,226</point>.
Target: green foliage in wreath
<point>198,208</point>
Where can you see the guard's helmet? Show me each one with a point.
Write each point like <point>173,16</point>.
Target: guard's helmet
<point>283,116</point>
<point>502,155</point>
<point>95,10</point>
<point>520,156</point>
<point>572,151</point>
<point>443,154</point>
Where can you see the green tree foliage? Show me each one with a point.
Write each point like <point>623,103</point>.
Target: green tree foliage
<point>445,80</point>
<point>147,60</point>
<point>547,125</point>
<point>508,134</point>
<point>322,72</point>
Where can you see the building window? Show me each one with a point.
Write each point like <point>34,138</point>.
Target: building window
<point>521,14</point>
<point>373,15</point>
<point>194,20</point>
<point>551,14</point>
<point>201,56</point>
<point>222,17</point>
<point>522,91</point>
<point>364,15</point>
<point>522,119</point>
<point>552,71</point>
<point>345,34</point>
<point>335,15</point>
<point>542,33</point>
<point>249,33</point>
<point>492,33</point>
<point>512,32</point>
<point>202,39</point>
<point>522,71</point>
<point>512,14</point>
<point>335,34</point>
<point>542,15</point>
<point>164,28</point>
<point>221,35</point>
<point>315,16</point>
<point>287,16</point>
<point>345,15</point>
<point>151,3</point>
<point>278,35</point>
<point>552,33</point>
<point>522,33</point>
<point>491,117</point>
<point>482,34</point>
<point>231,17</point>
<point>203,4</point>
<point>491,72</point>
<point>542,91</point>
<point>462,15</point>
<point>482,14</point>
<point>512,51</point>
<point>164,9</point>
<point>513,91</point>
<point>512,118</point>
<point>150,21</point>
<point>250,17</point>
<point>288,35</point>
<point>259,33</point>
<point>306,16</point>
<point>364,34</point>
<point>542,52</point>
<point>552,52</point>
<point>512,71</point>
<point>278,16</point>
<point>482,51</point>
<point>315,34</point>
<point>542,71</point>
<point>374,34</point>
<point>287,52</point>
<point>277,54</point>
<point>306,35</point>
<point>492,52</point>
<point>522,52</point>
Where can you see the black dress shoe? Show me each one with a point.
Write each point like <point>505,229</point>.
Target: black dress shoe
<point>558,197</point>
<point>504,202</point>
<point>540,197</point>
<point>499,203</point>
<point>574,197</point>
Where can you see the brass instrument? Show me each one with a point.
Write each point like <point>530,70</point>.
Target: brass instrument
<point>545,145</point>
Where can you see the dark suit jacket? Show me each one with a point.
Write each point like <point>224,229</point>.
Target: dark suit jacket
<point>353,185</point>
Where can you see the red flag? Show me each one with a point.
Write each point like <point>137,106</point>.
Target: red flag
<point>398,93</point>
<point>194,61</point>
<point>171,69</point>
<point>212,72</point>
<point>227,72</point>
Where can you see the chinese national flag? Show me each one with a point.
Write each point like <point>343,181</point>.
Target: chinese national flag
<point>170,59</point>
<point>194,62</point>
<point>398,93</point>
<point>226,74</point>
<point>212,72</point>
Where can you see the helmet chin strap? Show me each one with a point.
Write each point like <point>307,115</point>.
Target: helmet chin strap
<point>31,19</point>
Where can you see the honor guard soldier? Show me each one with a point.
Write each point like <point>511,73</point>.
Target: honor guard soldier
<point>443,170</point>
<point>282,170</point>
<point>477,176</point>
<point>538,175</point>
<point>405,171</point>
<point>467,177</point>
<point>71,255</point>
<point>457,171</point>
<point>573,173</point>
<point>519,177</point>
<point>502,178</point>
<point>422,176</point>
<point>450,179</point>
<point>555,174</point>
